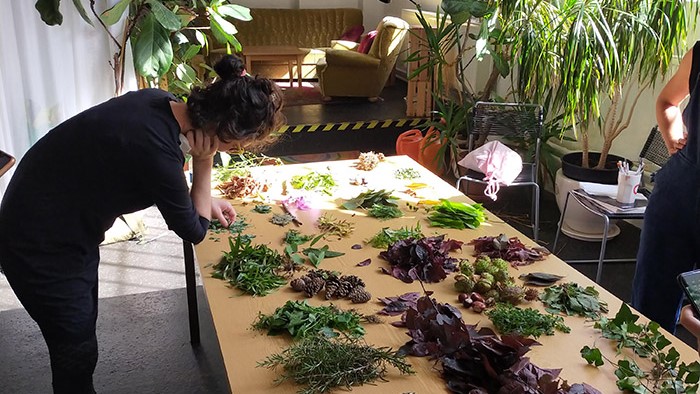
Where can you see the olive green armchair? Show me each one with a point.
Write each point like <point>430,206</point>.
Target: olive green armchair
<point>349,73</point>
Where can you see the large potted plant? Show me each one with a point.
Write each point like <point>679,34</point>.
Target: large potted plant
<point>167,37</point>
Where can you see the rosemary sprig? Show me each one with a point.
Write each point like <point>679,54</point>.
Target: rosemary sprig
<point>322,364</point>
<point>332,226</point>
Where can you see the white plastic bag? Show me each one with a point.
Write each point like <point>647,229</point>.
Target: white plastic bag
<point>499,164</point>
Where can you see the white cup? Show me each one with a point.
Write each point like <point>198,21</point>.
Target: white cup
<point>627,185</point>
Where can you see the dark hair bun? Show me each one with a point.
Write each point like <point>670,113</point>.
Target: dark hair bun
<point>230,66</point>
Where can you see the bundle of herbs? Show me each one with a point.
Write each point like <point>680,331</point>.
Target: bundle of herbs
<point>333,226</point>
<point>371,198</point>
<point>509,319</point>
<point>387,236</point>
<point>478,361</point>
<point>294,239</point>
<point>667,373</point>
<point>322,364</point>
<point>572,299</point>
<point>425,259</point>
<point>314,181</point>
<point>235,228</point>
<point>510,249</point>
<point>240,164</point>
<point>301,320</point>
<point>253,269</point>
<point>457,215</point>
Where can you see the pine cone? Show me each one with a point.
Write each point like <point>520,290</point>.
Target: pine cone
<point>344,289</point>
<point>332,287</point>
<point>298,283</point>
<point>359,295</point>
<point>323,274</point>
<point>313,286</point>
<point>353,280</point>
<point>531,294</point>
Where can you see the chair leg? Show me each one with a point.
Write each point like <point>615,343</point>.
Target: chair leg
<point>603,242</point>
<point>561,222</point>
<point>191,284</point>
<point>535,211</point>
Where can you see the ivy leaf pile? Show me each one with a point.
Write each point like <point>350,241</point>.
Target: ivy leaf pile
<point>572,299</point>
<point>509,249</point>
<point>252,269</point>
<point>301,320</point>
<point>478,361</point>
<point>667,374</point>
<point>457,215</point>
<point>425,259</point>
<point>370,198</point>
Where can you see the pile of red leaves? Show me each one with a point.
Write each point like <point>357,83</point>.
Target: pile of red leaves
<point>425,259</point>
<point>509,249</point>
<point>478,361</point>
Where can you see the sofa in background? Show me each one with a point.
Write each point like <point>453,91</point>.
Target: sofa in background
<point>312,30</point>
<point>354,74</point>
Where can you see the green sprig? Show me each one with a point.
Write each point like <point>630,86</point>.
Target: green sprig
<point>510,319</point>
<point>301,320</point>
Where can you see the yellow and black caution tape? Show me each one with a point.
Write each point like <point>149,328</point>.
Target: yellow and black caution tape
<point>351,126</point>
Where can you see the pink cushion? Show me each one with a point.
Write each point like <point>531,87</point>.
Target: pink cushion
<point>353,34</point>
<point>366,42</point>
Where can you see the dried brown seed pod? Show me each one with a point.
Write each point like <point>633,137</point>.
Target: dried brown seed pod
<point>298,284</point>
<point>359,295</point>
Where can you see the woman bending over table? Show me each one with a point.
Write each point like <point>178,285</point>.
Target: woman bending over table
<point>120,156</point>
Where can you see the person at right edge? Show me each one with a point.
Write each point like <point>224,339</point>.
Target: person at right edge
<point>671,233</point>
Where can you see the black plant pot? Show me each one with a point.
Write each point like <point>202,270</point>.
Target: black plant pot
<point>571,167</point>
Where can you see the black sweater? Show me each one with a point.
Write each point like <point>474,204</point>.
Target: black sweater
<point>117,157</point>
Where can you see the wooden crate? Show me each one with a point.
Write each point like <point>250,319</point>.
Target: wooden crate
<point>419,101</point>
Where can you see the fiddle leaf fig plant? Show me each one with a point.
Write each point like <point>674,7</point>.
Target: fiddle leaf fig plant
<point>165,35</point>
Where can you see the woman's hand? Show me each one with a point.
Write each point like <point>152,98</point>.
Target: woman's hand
<point>222,211</point>
<point>678,143</point>
<point>202,145</point>
<point>691,322</point>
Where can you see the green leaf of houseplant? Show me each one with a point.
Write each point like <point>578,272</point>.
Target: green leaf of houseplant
<point>224,31</point>
<point>235,11</point>
<point>81,10</point>
<point>48,9</point>
<point>153,53</point>
<point>112,15</point>
<point>165,16</point>
<point>186,73</point>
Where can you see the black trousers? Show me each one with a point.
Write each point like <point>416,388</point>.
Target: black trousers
<point>59,291</point>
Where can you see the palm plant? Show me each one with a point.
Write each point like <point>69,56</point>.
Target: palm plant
<point>165,35</point>
<point>581,53</point>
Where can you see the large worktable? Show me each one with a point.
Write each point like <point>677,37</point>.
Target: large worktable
<point>233,313</point>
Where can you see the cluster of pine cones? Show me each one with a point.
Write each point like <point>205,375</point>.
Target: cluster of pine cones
<point>349,286</point>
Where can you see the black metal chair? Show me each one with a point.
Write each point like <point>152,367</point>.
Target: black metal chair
<point>654,151</point>
<point>518,126</point>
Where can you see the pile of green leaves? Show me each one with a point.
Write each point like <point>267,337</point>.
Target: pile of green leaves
<point>572,299</point>
<point>370,198</point>
<point>240,164</point>
<point>387,236</point>
<point>384,211</point>
<point>406,173</point>
<point>457,215</point>
<point>253,269</point>
<point>236,228</point>
<point>293,239</point>
<point>512,320</point>
<point>262,208</point>
<point>667,375</point>
<point>301,320</point>
<point>323,364</point>
<point>314,181</point>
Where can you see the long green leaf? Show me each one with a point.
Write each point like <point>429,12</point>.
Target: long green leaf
<point>235,11</point>
<point>113,14</point>
<point>165,16</point>
<point>48,9</point>
<point>153,53</point>
<point>79,6</point>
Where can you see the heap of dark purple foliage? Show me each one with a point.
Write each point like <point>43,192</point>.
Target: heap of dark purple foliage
<point>509,249</point>
<point>425,259</point>
<point>478,361</point>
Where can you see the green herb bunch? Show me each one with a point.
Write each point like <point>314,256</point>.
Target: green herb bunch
<point>302,320</point>
<point>387,236</point>
<point>262,208</point>
<point>240,164</point>
<point>322,364</point>
<point>457,215</point>
<point>253,269</point>
<point>314,181</point>
<point>332,226</point>
<point>572,299</point>
<point>370,198</point>
<point>236,228</point>
<point>406,173</point>
<point>293,239</point>
<point>384,211</point>
<point>667,375</point>
<point>510,319</point>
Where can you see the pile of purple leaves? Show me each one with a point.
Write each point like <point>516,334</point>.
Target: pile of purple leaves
<point>509,249</point>
<point>478,361</point>
<point>395,306</point>
<point>425,259</point>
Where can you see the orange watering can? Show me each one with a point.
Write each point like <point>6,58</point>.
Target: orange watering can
<point>428,152</point>
<point>408,143</point>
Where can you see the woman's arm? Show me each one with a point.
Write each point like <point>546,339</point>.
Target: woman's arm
<point>668,112</point>
<point>691,322</point>
<point>203,147</point>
